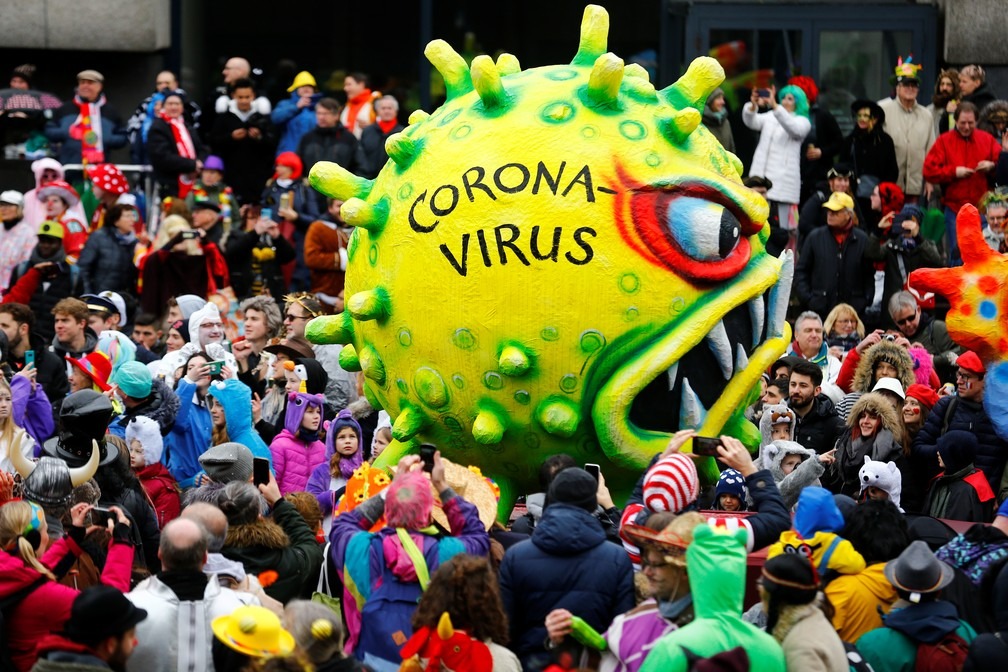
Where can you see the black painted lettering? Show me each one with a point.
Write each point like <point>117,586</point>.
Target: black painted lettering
<point>414,224</point>
<point>462,268</point>
<point>543,174</point>
<point>534,244</point>
<point>481,237</point>
<point>439,211</point>
<point>477,184</point>
<point>579,235</point>
<point>525,175</point>
<point>583,178</point>
<point>509,243</point>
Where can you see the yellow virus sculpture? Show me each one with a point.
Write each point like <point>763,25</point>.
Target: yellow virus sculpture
<point>558,259</point>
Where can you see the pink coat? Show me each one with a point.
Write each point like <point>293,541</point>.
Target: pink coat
<point>47,608</point>
<point>293,461</point>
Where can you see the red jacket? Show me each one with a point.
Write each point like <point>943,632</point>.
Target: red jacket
<point>47,608</point>
<point>163,491</point>
<point>951,150</point>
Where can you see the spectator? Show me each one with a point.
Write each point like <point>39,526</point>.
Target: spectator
<point>99,635</point>
<point>843,329</point>
<point>17,321</point>
<point>176,151</point>
<point>344,454</point>
<point>142,395</point>
<point>341,387</point>
<point>224,463</point>
<point>46,170</point>
<point>994,208</point>
<point>371,155</point>
<point>143,436</point>
<point>318,633</point>
<point>249,636</point>
<point>359,112</point>
<point>110,186</point>
<point>880,359</point>
<point>810,346</point>
<point>885,198</point>
<point>262,324</point>
<point>325,253</point>
<point>813,214</point>
<point>17,237</point>
<point>107,260</point>
<point>832,267</point>
<point>869,149</point>
<point>960,491</point>
<point>180,264</point>
<point>257,257</point>
<point>139,124</point>
<point>944,100</point>
<point>181,602</point>
<point>206,219</point>
<point>210,187</point>
<point>231,412</point>
<point>87,127</point>
<point>994,118</point>
<point>974,89</point>
<point>920,327</point>
<point>59,197</point>
<point>715,118</point>
<point>778,237</point>
<point>961,161</point>
<point>190,435</point>
<point>297,450</point>
<point>296,116</point>
<point>115,479</point>
<point>328,139</point>
<point>294,208</point>
<point>73,337</point>
<point>911,128</point>
<point>818,426</point>
<point>821,146</point>
<point>246,140</point>
<point>873,431</point>
<point>902,249</point>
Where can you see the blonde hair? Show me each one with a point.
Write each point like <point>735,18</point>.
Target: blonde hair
<point>834,315</point>
<point>7,425</point>
<point>15,518</point>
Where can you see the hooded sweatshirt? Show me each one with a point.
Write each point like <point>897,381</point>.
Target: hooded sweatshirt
<point>326,487</point>
<point>296,453</point>
<point>894,647</point>
<point>717,569</point>
<point>857,600</point>
<point>34,208</point>
<point>236,398</point>
<point>806,474</point>
<point>816,522</point>
<point>190,435</point>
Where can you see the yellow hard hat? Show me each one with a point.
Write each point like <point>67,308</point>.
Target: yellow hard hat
<point>303,78</point>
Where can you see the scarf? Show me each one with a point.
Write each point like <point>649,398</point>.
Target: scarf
<point>348,465</point>
<point>387,126</point>
<point>186,149</point>
<point>353,108</point>
<point>87,128</point>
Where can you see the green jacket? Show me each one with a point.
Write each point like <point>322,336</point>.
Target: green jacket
<point>893,648</point>
<point>717,569</point>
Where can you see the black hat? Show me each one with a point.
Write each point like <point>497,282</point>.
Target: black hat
<point>576,487</point>
<point>206,204</point>
<point>791,577</point>
<point>841,169</point>
<point>97,303</point>
<point>100,612</point>
<point>317,376</point>
<point>917,571</point>
<point>84,417</point>
<point>876,111</point>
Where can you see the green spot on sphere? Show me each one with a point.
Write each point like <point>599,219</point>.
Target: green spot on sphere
<point>464,339</point>
<point>591,341</point>
<point>458,380</point>
<point>430,387</point>
<point>629,283</point>
<point>532,440</point>
<point>405,337</point>
<point>450,117</point>
<point>401,384</point>
<point>493,380</point>
<point>522,397</point>
<point>351,247</point>
<point>631,314</point>
<point>452,423</point>
<point>461,131</point>
<point>569,383</point>
<point>405,191</point>
<point>589,132</point>
<point>550,334</point>
<point>373,254</point>
<point>561,75</point>
<point>556,113</point>
<point>632,130</point>
<point>677,305</point>
<point>652,160</point>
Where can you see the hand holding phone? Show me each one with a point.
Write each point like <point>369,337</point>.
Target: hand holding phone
<point>706,446</point>
<point>260,471</point>
<point>593,469</point>
<point>427,451</point>
<point>29,357</point>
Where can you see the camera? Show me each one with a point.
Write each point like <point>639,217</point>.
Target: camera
<point>889,337</point>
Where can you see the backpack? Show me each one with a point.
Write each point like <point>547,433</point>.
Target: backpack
<point>946,655</point>
<point>7,605</point>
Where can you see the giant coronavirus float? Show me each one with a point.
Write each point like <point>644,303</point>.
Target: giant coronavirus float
<point>558,259</point>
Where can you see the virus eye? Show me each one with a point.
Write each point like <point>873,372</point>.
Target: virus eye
<point>702,229</point>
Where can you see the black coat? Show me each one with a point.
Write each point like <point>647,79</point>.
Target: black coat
<point>246,270</point>
<point>164,156</point>
<point>371,156</point>
<point>107,264</point>
<point>871,153</point>
<point>52,373</point>
<point>336,144</point>
<point>49,293</point>
<point>821,426</point>
<point>828,273</point>
<point>248,163</point>
<point>992,450</point>
<point>827,136</point>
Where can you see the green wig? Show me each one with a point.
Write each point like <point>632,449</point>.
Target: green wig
<point>801,100</point>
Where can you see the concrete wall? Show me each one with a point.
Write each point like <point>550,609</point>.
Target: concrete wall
<point>108,25</point>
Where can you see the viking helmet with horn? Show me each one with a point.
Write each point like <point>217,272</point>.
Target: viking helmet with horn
<point>50,481</point>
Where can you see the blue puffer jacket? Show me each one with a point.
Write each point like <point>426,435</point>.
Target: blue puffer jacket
<point>295,122</point>
<point>567,564</point>
<point>189,437</point>
<point>971,417</point>
<point>236,398</point>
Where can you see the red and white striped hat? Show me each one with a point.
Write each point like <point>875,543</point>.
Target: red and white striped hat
<point>671,484</point>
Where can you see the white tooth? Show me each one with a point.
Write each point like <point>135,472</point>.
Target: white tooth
<point>757,312</point>
<point>780,294</point>
<point>691,411</point>
<point>741,359</point>
<point>673,371</point>
<point>719,344</point>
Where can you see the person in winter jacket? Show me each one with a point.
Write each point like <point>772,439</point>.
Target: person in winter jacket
<point>716,566</point>
<point>868,148</point>
<point>297,450</point>
<point>814,535</point>
<point>377,569</point>
<point>232,416</point>
<point>257,256</point>
<point>329,140</point>
<point>873,430</point>
<point>58,196</point>
<point>344,454</point>
<point>143,395</point>
<point>17,236</point>
<point>322,647</point>
<point>175,149</point>
<point>902,248</point>
<point>870,363</point>
<point>960,491</point>
<point>106,263</point>
<point>245,139</point>
<point>792,466</point>
<point>54,279</point>
<point>29,557</point>
<point>296,116</point>
<point>918,617</point>
<point>567,566</point>
<point>880,481</point>
<point>295,206</point>
<point>27,407</point>
<point>820,147</point>
<point>86,127</point>
<point>46,170</point>
<point>971,87</point>
<point>180,265</point>
<point>119,485</point>
<point>371,154</point>
<point>730,492</point>
<point>715,118</point>
<point>190,435</point>
<point>359,112</point>
<point>839,178</point>
<point>143,436</point>
<point>817,425</point>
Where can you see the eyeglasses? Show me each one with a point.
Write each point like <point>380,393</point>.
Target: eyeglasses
<point>907,320</point>
<point>291,317</point>
<point>845,320</point>
<point>965,375</point>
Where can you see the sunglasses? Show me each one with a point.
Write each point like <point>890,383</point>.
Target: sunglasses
<point>906,320</point>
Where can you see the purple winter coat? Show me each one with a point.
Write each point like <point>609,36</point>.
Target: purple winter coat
<point>294,462</point>
<point>32,411</point>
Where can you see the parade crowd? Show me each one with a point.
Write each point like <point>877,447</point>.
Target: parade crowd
<point>187,484</point>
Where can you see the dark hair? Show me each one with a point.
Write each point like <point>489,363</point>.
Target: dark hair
<point>146,320</point>
<point>807,368</point>
<point>243,83</point>
<point>877,530</point>
<point>20,313</point>
<point>552,466</point>
<point>965,106</point>
<point>360,77</point>
<point>465,587</point>
<point>783,579</point>
<point>330,104</point>
<point>782,385</point>
<point>113,214</point>
<point>757,181</point>
<point>116,478</point>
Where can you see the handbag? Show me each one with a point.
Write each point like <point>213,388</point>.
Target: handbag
<point>323,592</point>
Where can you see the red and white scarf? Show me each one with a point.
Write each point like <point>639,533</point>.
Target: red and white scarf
<point>186,149</point>
<point>88,129</point>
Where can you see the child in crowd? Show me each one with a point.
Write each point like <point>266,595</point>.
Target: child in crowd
<point>143,436</point>
<point>230,402</point>
<point>9,412</point>
<point>880,480</point>
<point>960,491</point>
<point>297,450</point>
<point>814,534</point>
<point>731,493</point>
<point>792,466</point>
<point>344,453</point>
<point>210,187</point>
<point>382,435</point>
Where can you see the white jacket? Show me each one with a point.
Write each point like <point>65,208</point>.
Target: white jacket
<point>778,154</point>
<point>176,636</point>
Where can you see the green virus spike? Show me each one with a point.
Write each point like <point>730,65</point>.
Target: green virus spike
<point>430,387</point>
<point>605,78</point>
<point>513,361</point>
<point>371,304</point>
<point>333,180</point>
<point>329,329</point>
<point>486,80</point>
<point>678,125</point>
<point>401,149</point>
<point>594,35</point>
<point>691,90</point>
<point>507,64</point>
<point>408,424</point>
<point>372,217</point>
<point>452,67</point>
<point>372,365</point>
<point>395,451</point>
<point>558,416</point>
<point>489,425</point>
<point>736,164</point>
<point>417,117</point>
<point>348,358</point>
<point>636,71</point>
<point>372,396</point>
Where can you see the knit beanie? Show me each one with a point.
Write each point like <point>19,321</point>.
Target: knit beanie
<point>576,487</point>
<point>671,484</point>
<point>182,327</point>
<point>957,448</point>
<point>189,304</point>
<point>148,433</point>
<point>731,482</point>
<point>134,380</point>
<point>227,462</point>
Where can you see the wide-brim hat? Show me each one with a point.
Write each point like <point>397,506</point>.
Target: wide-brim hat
<point>96,366</point>
<point>84,417</point>
<point>667,541</point>
<point>471,487</point>
<point>254,631</point>
<point>917,570</point>
<point>876,110</point>
<point>62,189</point>
<point>293,347</point>
<point>303,78</point>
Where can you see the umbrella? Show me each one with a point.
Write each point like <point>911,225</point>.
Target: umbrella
<point>20,100</point>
